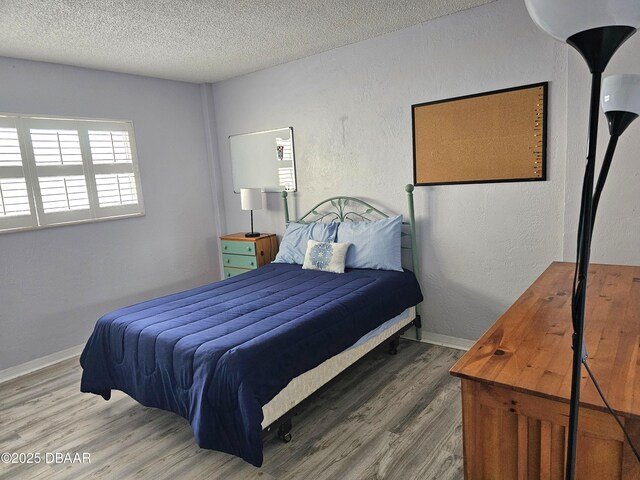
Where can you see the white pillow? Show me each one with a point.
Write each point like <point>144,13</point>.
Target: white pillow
<point>325,256</point>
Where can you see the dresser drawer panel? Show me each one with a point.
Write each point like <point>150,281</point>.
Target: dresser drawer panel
<point>232,272</point>
<point>239,261</point>
<point>239,247</point>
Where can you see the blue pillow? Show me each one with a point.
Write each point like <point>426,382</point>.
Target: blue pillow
<point>374,245</point>
<point>296,236</point>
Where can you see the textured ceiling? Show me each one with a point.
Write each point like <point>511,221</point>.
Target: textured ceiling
<point>199,40</point>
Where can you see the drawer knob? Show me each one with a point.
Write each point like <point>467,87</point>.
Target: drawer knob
<point>248,249</point>
<point>251,263</point>
<point>225,247</point>
<point>228,274</point>
<point>228,260</point>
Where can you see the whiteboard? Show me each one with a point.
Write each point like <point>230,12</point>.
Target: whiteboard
<point>263,160</point>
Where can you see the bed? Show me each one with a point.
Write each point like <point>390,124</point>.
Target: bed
<point>234,357</point>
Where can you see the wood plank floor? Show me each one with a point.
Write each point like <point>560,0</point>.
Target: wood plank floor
<point>387,417</point>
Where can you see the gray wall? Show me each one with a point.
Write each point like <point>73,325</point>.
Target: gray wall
<point>480,245</point>
<point>55,283</point>
<point>616,237</point>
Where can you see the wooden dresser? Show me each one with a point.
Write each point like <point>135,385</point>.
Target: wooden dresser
<point>241,254</point>
<point>516,381</point>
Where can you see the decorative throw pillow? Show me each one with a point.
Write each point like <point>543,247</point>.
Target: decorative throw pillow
<point>325,256</point>
<point>375,245</point>
<point>294,241</point>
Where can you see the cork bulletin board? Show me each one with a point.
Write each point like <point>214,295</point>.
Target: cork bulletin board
<point>497,136</point>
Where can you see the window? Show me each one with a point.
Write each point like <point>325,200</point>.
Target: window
<point>55,171</point>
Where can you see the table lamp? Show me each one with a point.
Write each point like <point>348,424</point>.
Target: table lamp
<point>251,199</point>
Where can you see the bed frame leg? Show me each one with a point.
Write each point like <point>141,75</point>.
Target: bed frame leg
<point>393,346</point>
<point>284,430</point>
<point>417,322</point>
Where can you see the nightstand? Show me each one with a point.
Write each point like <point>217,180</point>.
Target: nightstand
<point>241,254</point>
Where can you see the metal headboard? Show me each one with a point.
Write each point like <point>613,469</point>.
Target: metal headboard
<point>342,209</point>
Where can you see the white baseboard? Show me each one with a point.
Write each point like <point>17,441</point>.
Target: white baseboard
<point>33,365</point>
<point>442,340</point>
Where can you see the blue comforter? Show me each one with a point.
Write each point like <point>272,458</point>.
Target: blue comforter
<point>216,354</point>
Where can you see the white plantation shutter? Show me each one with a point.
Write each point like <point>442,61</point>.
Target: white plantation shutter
<point>62,184</point>
<point>62,187</point>
<point>64,194</point>
<point>10,155</point>
<point>16,206</point>
<point>112,157</point>
<point>56,147</point>
<point>14,198</point>
<point>110,147</point>
<point>55,171</point>
<point>116,189</point>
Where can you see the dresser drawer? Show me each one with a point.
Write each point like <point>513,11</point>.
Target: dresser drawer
<point>232,272</point>
<point>239,247</point>
<point>239,261</point>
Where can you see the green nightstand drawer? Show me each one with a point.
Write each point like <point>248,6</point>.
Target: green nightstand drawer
<point>238,248</point>
<point>239,261</point>
<point>232,272</point>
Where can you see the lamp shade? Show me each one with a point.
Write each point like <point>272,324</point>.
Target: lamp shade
<point>250,199</point>
<point>563,18</point>
<point>621,93</point>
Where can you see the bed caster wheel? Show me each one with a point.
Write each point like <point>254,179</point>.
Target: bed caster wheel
<point>284,431</point>
<point>393,346</point>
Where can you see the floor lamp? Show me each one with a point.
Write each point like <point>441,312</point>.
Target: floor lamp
<point>596,28</point>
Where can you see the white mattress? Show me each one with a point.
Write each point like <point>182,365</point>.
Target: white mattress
<point>304,385</point>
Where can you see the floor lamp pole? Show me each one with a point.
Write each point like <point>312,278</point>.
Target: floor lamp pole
<point>580,287</point>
